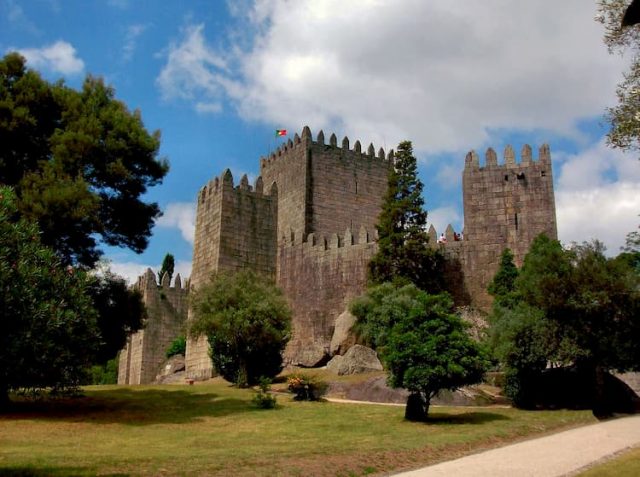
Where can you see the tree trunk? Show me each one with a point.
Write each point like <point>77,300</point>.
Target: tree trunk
<point>601,408</point>
<point>417,408</point>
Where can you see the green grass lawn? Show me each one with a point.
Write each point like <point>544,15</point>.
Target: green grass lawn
<point>213,429</point>
<point>625,465</point>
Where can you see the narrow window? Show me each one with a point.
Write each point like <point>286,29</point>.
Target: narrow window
<point>516,221</point>
<point>506,177</point>
<point>543,173</point>
<point>356,187</point>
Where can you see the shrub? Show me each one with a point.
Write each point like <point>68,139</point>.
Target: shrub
<point>105,374</point>
<point>178,346</point>
<point>306,388</point>
<point>263,398</point>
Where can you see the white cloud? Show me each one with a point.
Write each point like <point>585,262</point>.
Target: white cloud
<point>193,70</point>
<point>607,213</point>
<point>180,215</point>
<point>598,196</point>
<point>59,57</point>
<point>442,73</point>
<point>130,40</point>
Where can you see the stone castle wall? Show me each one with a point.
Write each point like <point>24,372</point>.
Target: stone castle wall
<point>334,269</point>
<point>145,350</point>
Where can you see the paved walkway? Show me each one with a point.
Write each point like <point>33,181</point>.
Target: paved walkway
<point>550,456</point>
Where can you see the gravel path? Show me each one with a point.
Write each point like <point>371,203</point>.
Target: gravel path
<point>555,455</point>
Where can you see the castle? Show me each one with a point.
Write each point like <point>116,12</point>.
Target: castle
<point>309,222</point>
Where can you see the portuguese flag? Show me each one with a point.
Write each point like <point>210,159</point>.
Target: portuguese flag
<point>281,132</point>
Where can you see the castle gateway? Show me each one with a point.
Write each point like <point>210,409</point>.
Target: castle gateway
<point>309,222</point>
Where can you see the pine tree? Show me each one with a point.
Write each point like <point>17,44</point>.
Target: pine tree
<point>403,254</point>
<point>168,265</point>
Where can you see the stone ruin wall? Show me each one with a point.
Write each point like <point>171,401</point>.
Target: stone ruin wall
<point>235,229</point>
<point>145,350</point>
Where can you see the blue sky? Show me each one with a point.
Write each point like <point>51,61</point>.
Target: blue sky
<point>217,78</point>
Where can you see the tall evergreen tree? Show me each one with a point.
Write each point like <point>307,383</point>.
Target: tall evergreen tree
<point>403,254</point>
<point>79,161</point>
<point>168,265</point>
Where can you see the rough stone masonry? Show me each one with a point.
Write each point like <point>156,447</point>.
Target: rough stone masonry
<point>309,222</point>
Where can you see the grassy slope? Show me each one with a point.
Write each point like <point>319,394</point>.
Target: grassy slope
<point>626,465</point>
<point>213,429</point>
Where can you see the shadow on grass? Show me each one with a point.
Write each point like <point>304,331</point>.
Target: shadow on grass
<point>52,472</point>
<point>466,418</point>
<point>131,407</point>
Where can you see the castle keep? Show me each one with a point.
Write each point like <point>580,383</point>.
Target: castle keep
<point>309,222</point>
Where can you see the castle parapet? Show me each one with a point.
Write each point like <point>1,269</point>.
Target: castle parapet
<point>472,160</point>
<point>306,140</point>
<point>333,241</point>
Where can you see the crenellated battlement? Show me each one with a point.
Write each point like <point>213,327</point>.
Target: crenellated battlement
<point>472,161</point>
<point>333,241</point>
<point>148,281</point>
<point>305,140</point>
<point>451,237</point>
<point>225,180</point>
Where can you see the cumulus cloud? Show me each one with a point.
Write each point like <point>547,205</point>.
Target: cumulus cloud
<point>441,73</point>
<point>59,57</point>
<point>194,71</point>
<point>598,196</point>
<point>180,215</point>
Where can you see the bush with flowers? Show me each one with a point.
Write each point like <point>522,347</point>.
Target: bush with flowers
<point>306,388</point>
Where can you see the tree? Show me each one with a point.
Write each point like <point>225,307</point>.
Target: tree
<point>576,308</point>
<point>49,330</point>
<point>79,162</point>
<point>625,117</point>
<point>168,264</point>
<point>120,312</point>
<point>403,253</point>
<point>248,323</point>
<point>422,342</point>
<point>503,284</point>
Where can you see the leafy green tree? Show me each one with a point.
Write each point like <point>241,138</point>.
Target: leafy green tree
<point>79,161</point>
<point>422,342</point>
<point>577,308</point>
<point>625,117</point>
<point>168,264</point>
<point>248,323</point>
<point>49,330</point>
<point>120,312</point>
<point>403,254</point>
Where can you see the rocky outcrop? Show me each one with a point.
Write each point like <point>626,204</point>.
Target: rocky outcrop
<point>343,338</point>
<point>171,367</point>
<point>358,359</point>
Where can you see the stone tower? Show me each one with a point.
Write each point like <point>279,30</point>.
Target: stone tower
<point>295,224</point>
<point>505,206</point>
